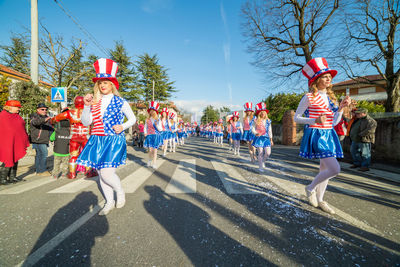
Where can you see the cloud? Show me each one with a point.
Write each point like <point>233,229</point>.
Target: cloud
<point>196,107</point>
<point>153,6</point>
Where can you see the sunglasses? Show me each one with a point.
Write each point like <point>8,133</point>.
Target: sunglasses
<point>43,109</point>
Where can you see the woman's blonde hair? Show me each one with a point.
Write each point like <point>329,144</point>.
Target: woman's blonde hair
<point>259,119</point>
<point>329,91</point>
<point>155,114</point>
<point>97,93</point>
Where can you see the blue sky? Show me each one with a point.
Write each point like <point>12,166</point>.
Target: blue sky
<point>200,42</point>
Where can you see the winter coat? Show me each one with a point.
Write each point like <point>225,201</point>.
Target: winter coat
<point>365,128</point>
<point>40,130</point>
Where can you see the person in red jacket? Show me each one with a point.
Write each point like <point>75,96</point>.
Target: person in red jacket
<point>13,141</point>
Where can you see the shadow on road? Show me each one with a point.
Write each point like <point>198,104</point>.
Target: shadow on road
<point>70,251</point>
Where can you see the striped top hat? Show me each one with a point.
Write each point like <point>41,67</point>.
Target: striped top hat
<point>261,107</point>
<point>106,69</point>
<point>315,68</point>
<point>165,110</point>
<point>235,114</point>
<point>248,106</point>
<point>229,117</point>
<point>172,115</point>
<point>153,105</point>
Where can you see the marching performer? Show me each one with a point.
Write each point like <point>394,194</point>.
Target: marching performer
<point>152,131</point>
<point>262,130</point>
<point>320,139</point>
<point>220,133</point>
<point>236,132</point>
<point>106,148</point>
<point>165,130</point>
<point>248,135</point>
<point>172,134</point>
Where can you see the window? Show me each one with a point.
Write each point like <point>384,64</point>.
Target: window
<point>366,90</point>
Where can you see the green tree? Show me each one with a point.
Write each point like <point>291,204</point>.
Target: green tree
<point>127,77</point>
<point>209,114</point>
<point>29,95</point>
<point>4,89</point>
<point>150,70</point>
<point>225,109</point>
<point>16,55</point>
<point>370,106</point>
<point>278,104</point>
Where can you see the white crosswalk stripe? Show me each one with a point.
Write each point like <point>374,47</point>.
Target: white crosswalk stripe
<point>184,178</point>
<point>232,180</point>
<point>27,186</point>
<point>133,181</point>
<point>75,186</point>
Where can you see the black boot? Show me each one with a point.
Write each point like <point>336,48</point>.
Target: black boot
<point>13,174</point>
<point>3,174</point>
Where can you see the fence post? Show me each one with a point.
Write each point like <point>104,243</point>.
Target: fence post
<point>288,128</point>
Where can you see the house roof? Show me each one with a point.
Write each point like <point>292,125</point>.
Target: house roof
<point>20,76</point>
<point>359,80</point>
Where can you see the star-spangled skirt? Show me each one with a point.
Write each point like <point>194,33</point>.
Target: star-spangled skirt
<point>248,136</point>
<point>103,152</point>
<point>261,141</point>
<point>320,143</point>
<point>236,136</point>
<point>153,141</point>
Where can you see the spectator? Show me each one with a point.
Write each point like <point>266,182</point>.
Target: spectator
<point>41,130</point>
<point>362,134</point>
<point>135,134</point>
<point>341,129</point>
<point>141,133</point>
<point>61,138</point>
<point>13,141</point>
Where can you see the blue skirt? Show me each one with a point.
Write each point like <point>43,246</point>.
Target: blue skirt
<point>228,136</point>
<point>180,135</point>
<point>219,134</point>
<point>153,140</point>
<point>165,135</point>
<point>320,143</point>
<point>261,141</point>
<point>103,152</point>
<point>248,136</point>
<point>236,136</point>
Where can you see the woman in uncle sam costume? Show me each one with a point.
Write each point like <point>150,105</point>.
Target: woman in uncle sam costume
<point>320,140</point>
<point>172,134</point>
<point>236,132</point>
<point>220,132</point>
<point>106,149</point>
<point>262,130</point>
<point>165,133</point>
<point>248,135</point>
<point>152,131</point>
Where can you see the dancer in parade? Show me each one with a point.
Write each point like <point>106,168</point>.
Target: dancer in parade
<point>262,130</point>
<point>172,138</point>
<point>236,132</point>
<point>152,131</point>
<point>220,133</point>
<point>165,132</point>
<point>106,148</point>
<point>181,128</point>
<point>228,129</point>
<point>320,139</point>
<point>248,135</point>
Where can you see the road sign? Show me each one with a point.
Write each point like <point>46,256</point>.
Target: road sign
<point>58,94</point>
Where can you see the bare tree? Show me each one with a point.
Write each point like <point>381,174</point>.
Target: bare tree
<point>373,41</point>
<point>55,57</point>
<point>283,35</point>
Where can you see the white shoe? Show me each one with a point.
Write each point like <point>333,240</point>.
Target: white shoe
<point>261,170</point>
<point>149,163</point>
<point>312,197</point>
<point>263,165</point>
<point>120,200</point>
<point>106,209</point>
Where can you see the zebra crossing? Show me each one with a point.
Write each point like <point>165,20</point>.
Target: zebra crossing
<point>183,180</point>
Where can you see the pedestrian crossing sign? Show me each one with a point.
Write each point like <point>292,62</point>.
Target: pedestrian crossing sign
<point>58,94</point>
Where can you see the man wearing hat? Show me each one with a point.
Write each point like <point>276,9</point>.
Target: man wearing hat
<point>41,129</point>
<point>362,134</point>
<point>13,141</point>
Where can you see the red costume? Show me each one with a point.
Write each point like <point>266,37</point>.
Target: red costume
<point>79,134</point>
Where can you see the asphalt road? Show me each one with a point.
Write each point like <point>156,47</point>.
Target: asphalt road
<point>203,206</point>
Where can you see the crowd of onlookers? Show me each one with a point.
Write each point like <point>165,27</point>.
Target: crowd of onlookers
<point>359,127</point>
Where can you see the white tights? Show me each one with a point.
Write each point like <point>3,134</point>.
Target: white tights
<point>328,168</point>
<point>263,155</point>
<point>109,181</point>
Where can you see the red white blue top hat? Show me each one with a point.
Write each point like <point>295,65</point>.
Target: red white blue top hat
<point>172,115</point>
<point>248,106</point>
<point>315,68</point>
<point>261,107</point>
<point>235,114</point>
<point>153,105</point>
<point>106,69</point>
<point>165,110</point>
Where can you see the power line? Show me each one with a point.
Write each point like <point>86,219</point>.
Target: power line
<point>86,32</point>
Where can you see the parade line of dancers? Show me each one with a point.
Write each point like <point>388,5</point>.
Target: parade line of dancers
<point>105,111</point>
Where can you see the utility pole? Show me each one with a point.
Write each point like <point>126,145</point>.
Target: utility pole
<point>153,90</point>
<point>34,42</point>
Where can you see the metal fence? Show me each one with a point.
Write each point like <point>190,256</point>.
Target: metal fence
<point>382,115</point>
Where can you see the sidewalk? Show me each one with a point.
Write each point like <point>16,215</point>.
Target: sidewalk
<point>377,170</point>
